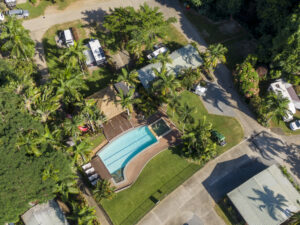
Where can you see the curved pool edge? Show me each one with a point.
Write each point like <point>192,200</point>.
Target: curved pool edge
<point>134,168</point>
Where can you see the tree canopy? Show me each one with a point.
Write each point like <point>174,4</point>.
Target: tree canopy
<point>21,173</point>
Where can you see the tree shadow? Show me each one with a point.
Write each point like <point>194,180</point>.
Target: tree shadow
<point>94,16</point>
<point>270,202</point>
<point>230,174</point>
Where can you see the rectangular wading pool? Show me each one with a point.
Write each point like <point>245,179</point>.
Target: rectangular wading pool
<point>120,151</point>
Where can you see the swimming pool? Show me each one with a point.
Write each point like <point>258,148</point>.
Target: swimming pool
<point>118,153</point>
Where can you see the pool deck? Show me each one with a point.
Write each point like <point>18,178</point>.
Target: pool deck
<point>136,165</point>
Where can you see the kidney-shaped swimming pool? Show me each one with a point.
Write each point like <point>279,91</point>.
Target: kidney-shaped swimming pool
<point>119,152</point>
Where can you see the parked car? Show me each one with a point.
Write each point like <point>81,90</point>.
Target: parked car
<point>158,49</point>
<point>199,90</point>
<point>295,125</point>
<point>19,13</point>
<point>66,37</point>
<point>218,137</point>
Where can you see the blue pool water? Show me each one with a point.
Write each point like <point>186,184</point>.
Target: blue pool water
<point>118,153</point>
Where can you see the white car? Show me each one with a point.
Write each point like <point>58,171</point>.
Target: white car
<point>295,125</point>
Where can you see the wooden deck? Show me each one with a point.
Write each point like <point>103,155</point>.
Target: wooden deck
<point>100,168</point>
<point>116,126</point>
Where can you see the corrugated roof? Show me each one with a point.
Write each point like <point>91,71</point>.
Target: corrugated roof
<point>267,198</point>
<point>45,214</point>
<point>183,58</point>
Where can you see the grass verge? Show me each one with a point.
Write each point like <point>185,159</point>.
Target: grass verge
<point>162,174</point>
<point>220,123</point>
<point>175,39</point>
<point>39,9</point>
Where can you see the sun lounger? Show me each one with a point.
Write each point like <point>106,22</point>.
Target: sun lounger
<point>93,177</point>
<point>90,171</point>
<point>95,182</point>
<point>86,166</point>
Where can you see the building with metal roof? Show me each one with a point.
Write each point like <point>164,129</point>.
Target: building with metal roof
<point>183,58</point>
<point>45,214</point>
<point>267,198</point>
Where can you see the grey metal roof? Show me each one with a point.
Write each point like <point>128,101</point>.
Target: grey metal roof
<point>183,58</point>
<point>45,214</point>
<point>267,198</point>
<point>122,86</point>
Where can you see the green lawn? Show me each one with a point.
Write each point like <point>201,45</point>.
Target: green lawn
<point>284,127</point>
<point>39,9</point>
<point>228,126</point>
<point>160,176</point>
<point>96,140</point>
<point>175,39</point>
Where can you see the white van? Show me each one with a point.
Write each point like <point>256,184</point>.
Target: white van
<point>68,37</point>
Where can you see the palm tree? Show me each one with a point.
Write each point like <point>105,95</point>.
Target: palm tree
<point>173,103</point>
<point>70,126</point>
<point>68,84</point>
<point>66,187</point>
<point>82,215</point>
<point>80,151</point>
<point>104,190</point>
<point>162,58</point>
<point>29,142</point>
<point>131,79</point>
<point>127,100</point>
<point>50,172</point>
<point>185,115</point>
<point>74,54</point>
<point>214,54</point>
<point>295,219</point>
<point>16,40</point>
<point>277,105</point>
<point>166,82</point>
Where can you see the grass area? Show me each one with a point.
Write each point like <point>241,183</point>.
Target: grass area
<point>39,8</point>
<point>96,140</point>
<point>160,176</point>
<point>284,127</point>
<point>175,39</point>
<point>228,213</point>
<point>220,123</point>
<point>229,33</point>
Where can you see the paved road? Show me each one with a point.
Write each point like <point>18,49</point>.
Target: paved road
<point>194,200</point>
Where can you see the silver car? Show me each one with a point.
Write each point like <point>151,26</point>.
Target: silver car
<point>19,13</point>
<point>295,125</point>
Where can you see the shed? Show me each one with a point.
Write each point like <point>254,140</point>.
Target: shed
<point>183,58</point>
<point>267,198</point>
<point>45,214</point>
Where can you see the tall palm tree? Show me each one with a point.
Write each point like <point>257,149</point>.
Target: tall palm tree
<point>166,82</point>
<point>82,215</point>
<point>127,100</point>
<point>173,103</point>
<point>70,126</point>
<point>29,142</point>
<point>185,115</point>
<point>277,105</point>
<point>16,40</point>
<point>80,151</point>
<point>66,186</point>
<point>162,58</point>
<point>68,84</point>
<point>214,54</point>
<point>104,190</point>
<point>74,54</point>
<point>131,79</point>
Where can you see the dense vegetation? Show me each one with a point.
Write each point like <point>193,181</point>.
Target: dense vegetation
<point>36,122</point>
<point>275,25</point>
